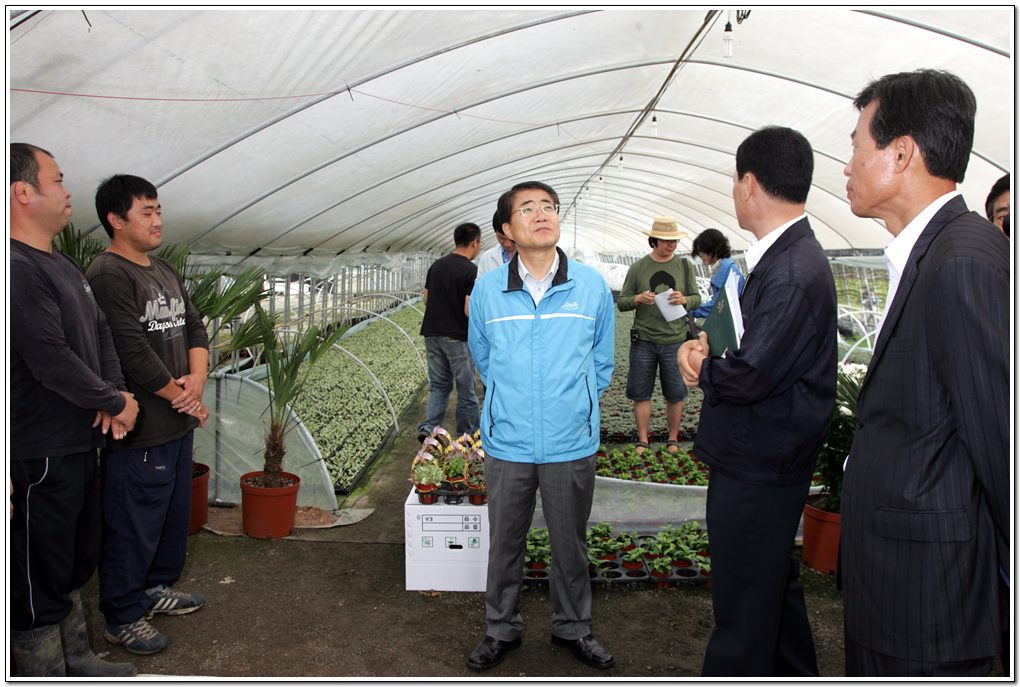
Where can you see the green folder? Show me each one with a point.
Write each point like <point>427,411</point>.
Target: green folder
<point>723,324</point>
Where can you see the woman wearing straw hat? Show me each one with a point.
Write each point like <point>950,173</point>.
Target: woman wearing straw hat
<point>654,340</point>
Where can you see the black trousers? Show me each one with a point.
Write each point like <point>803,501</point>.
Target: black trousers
<point>861,662</point>
<point>761,625</point>
<point>54,536</point>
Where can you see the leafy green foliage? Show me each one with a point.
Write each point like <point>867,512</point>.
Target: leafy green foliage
<point>82,249</point>
<point>428,473</point>
<point>218,298</point>
<point>842,425</point>
<point>537,546</point>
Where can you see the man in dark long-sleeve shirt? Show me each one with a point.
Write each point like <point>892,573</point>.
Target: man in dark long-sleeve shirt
<point>146,477</point>
<point>66,392</point>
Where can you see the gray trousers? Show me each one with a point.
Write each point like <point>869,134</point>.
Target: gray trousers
<point>567,490</point>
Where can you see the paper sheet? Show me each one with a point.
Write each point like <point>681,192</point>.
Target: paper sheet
<point>669,311</point>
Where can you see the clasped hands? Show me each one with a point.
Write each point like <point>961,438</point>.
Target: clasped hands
<point>123,422</point>
<point>690,356</point>
<point>190,400</point>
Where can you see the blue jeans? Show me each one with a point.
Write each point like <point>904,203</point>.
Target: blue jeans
<point>146,494</point>
<point>450,361</point>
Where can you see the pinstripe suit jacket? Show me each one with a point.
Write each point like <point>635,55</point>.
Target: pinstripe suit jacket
<point>926,491</point>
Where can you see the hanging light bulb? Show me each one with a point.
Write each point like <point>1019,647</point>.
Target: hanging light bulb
<point>727,37</point>
<point>619,164</point>
<point>655,126</point>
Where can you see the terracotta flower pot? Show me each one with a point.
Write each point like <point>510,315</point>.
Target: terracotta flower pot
<point>268,513</point>
<point>821,539</point>
<point>199,498</point>
<point>535,569</point>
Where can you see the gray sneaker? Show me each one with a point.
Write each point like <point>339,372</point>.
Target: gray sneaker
<point>138,637</point>
<point>173,602</point>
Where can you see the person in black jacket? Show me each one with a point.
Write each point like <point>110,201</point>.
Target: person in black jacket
<point>765,416</point>
<point>66,390</point>
<point>926,540</point>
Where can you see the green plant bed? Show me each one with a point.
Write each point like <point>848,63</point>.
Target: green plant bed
<point>617,411</point>
<point>658,466</point>
<point>343,408</point>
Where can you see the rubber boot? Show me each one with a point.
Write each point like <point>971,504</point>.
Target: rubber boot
<point>38,652</point>
<point>79,661</point>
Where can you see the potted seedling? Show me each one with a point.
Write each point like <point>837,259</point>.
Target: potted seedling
<point>538,554</point>
<point>476,476</point>
<point>661,567</point>
<point>633,559</point>
<point>427,475</point>
<point>455,466</point>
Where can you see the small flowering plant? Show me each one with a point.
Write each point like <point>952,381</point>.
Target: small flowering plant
<point>842,425</point>
<point>476,469</point>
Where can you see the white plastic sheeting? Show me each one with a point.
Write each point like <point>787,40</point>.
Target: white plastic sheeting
<point>353,132</point>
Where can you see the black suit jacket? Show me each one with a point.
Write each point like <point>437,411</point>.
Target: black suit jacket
<point>926,490</point>
<point>767,405</point>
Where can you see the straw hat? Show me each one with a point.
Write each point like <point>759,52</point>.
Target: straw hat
<point>665,228</point>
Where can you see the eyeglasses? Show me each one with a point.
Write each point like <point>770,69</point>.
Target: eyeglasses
<point>530,211</point>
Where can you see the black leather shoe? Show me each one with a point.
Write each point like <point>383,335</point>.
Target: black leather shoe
<point>490,652</point>
<point>587,650</point>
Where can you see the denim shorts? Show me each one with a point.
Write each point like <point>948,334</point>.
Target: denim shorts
<point>644,358</point>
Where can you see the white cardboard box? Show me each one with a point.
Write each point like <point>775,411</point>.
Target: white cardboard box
<point>446,547</point>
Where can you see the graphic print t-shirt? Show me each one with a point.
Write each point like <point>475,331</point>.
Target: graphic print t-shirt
<point>154,326</point>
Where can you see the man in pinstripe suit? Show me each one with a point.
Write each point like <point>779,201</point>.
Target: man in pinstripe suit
<point>925,539</point>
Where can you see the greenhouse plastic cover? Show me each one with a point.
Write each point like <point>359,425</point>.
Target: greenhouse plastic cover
<point>236,443</point>
<point>348,134</point>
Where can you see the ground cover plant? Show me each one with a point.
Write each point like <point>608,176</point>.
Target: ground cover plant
<point>617,411</point>
<point>343,408</point>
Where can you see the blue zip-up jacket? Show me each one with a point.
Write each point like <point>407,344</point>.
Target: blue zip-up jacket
<point>544,367</point>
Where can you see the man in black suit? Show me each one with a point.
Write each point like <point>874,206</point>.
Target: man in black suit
<point>765,415</point>
<point>925,526</point>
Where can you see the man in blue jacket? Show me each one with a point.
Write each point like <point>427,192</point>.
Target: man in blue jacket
<point>765,416</point>
<point>541,333</point>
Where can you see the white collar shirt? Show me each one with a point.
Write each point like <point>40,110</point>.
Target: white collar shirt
<point>756,249</point>
<point>897,252</point>
<point>537,287</point>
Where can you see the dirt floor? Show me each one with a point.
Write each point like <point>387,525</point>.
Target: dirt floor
<point>333,604</point>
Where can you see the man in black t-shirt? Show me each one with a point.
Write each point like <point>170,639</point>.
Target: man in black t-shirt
<point>447,289</point>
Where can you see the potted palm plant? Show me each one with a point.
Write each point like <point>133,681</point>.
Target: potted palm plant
<point>287,365</point>
<point>821,512</point>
